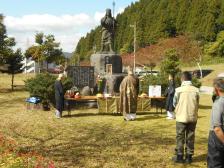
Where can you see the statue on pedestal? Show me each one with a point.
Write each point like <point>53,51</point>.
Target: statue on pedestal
<point>106,62</point>
<point>108,24</point>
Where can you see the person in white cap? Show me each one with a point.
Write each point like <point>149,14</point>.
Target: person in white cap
<point>59,95</point>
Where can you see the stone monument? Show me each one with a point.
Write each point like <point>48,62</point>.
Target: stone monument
<point>106,55</point>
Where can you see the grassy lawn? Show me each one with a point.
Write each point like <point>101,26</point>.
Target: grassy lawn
<point>90,140</point>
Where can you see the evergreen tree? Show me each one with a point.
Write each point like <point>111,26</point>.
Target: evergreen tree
<point>200,19</point>
<point>171,62</point>
<point>46,49</point>
<point>6,43</point>
<point>14,61</point>
<point>216,48</point>
<point>10,60</point>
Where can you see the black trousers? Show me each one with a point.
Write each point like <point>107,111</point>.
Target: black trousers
<point>215,157</point>
<point>185,134</point>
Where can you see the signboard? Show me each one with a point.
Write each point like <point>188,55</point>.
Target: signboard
<point>155,91</point>
<point>81,75</point>
<point>107,61</point>
<point>109,69</point>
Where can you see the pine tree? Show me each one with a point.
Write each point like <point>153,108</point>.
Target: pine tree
<point>14,62</point>
<point>46,49</point>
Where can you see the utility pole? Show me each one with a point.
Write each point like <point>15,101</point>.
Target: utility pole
<point>113,22</point>
<point>113,7</point>
<point>78,60</point>
<point>134,26</point>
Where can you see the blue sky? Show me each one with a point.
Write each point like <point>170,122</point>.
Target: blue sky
<point>57,7</point>
<point>68,20</point>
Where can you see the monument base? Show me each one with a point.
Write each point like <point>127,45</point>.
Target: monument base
<point>113,82</point>
<point>100,60</point>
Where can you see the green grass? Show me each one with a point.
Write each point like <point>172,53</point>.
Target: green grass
<point>90,140</point>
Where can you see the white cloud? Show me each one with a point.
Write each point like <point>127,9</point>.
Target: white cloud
<point>120,10</point>
<point>67,29</point>
<point>98,16</point>
<point>47,22</point>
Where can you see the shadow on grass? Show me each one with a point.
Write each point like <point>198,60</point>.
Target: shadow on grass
<point>155,115</point>
<point>200,158</point>
<point>5,90</point>
<point>100,143</point>
<point>89,114</point>
<point>151,117</point>
<point>149,113</point>
<point>13,101</point>
<point>19,89</point>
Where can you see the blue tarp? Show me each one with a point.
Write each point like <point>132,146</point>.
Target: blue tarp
<point>34,100</point>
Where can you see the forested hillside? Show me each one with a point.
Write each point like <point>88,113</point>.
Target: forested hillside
<point>201,20</point>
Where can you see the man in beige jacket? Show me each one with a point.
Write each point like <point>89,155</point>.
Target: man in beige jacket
<point>186,102</point>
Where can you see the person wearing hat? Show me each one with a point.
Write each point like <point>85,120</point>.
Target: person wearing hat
<point>59,95</point>
<point>215,157</point>
<point>128,96</point>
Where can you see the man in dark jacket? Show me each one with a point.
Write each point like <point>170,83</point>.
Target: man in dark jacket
<point>170,91</point>
<point>59,96</point>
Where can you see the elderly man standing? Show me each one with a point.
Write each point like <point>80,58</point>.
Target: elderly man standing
<point>59,95</point>
<point>216,133</point>
<point>128,96</point>
<point>186,102</point>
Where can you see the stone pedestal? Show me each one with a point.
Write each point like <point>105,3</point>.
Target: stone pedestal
<point>100,60</point>
<point>113,82</point>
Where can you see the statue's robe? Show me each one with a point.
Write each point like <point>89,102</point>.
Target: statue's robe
<point>107,30</point>
<point>128,95</point>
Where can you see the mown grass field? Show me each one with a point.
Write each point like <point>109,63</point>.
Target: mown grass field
<point>90,140</point>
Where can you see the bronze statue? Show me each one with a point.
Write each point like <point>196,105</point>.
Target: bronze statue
<point>108,26</point>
